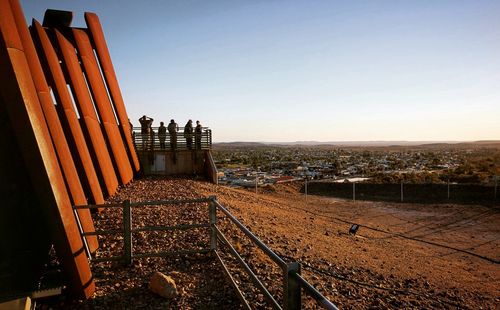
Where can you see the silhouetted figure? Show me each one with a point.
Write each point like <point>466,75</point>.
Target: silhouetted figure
<point>146,130</point>
<point>188,134</point>
<point>172,130</point>
<point>197,135</point>
<point>162,135</point>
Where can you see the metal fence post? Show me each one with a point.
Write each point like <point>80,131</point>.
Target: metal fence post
<point>305,188</point>
<point>127,233</point>
<point>256,181</point>
<point>401,191</point>
<point>212,209</point>
<point>353,191</point>
<point>448,188</point>
<point>84,239</point>
<point>291,294</point>
<point>496,185</point>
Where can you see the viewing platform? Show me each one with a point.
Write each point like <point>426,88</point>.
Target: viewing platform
<point>182,154</point>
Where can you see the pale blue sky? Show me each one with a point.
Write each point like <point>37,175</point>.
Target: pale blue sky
<point>306,70</point>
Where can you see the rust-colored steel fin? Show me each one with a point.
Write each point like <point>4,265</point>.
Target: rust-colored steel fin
<point>103,105</point>
<point>97,37</point>
<point>68,114</point>
<point>19,95</point>
<point>56,131</point>
<point>87,113</point>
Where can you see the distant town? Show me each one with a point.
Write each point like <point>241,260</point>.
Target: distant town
<point>253,164</point>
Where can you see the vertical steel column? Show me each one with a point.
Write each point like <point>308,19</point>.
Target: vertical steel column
<point>291,294</point>
<point>87,113</point>
<point>68,114</point>
<point>102,52</point>
<point>66,162</point>
<point>212,207</point>
<point>103,105</point>
<point>23,107</point>
<point>127,232</point>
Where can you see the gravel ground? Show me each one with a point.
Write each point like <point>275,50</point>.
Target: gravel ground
<point>371,270</point>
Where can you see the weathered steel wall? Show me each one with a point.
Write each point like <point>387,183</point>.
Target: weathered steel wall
<point>65,141</point>
<point>102,52</point>
<point>26,118</point>
<point>22,257</point>
<point>55,129</point>
<point>103,105</point>
<point>88,116</point>
<point>69,118</point>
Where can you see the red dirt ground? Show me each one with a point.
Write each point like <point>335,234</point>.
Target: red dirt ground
<point>454,262</point>
<point>409,256</point>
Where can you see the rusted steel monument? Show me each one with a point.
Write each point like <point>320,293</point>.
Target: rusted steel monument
<point>65,140</point>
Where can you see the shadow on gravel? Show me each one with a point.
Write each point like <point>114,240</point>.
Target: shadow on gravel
<point>200,282</point>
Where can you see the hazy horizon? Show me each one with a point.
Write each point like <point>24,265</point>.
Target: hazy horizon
<point>381,142</point>
<point>306,71</point>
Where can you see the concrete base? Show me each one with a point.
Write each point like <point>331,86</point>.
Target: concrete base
<point>181,162</point>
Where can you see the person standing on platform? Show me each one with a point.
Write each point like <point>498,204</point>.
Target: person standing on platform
<point>162,135</point>
<point>188,134</point>
<point>146,130</point>
<point>172,130</point>
<point>197,135</point>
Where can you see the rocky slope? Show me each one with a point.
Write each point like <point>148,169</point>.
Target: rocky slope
<point>403,256</point>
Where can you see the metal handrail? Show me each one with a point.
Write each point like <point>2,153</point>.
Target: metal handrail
<point>127,229</point>
<point>151,141</point>
<point>278,260</point>
<point>291,271</point>
<point>293,281</point>
<point>144,203</point>
<point>313,292</point>
<point>249,271</point>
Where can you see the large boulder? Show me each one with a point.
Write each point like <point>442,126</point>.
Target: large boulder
<point>163,285</point>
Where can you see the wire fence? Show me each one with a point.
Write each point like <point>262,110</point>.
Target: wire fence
<point>407,192</point>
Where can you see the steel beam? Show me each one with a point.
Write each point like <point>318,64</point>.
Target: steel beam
<point>56,131</point>
<point>87,113</point>
<point>97,36</point>
<point>103,105</point>
<point>74,131</point>
<point>29,124</point>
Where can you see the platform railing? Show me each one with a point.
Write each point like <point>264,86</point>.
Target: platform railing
<point>154,141</point>
<point>293,282</point>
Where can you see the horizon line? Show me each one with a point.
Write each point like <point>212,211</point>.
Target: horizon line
<point>364,141</point>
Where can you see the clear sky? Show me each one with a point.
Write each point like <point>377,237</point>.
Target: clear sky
<point>306,70</point>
